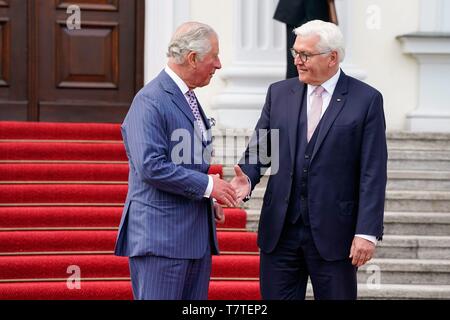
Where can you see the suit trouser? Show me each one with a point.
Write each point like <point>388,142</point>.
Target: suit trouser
<point>161,278</point>
<point>285,271</point>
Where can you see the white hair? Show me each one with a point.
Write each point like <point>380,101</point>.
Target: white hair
<point>190,36</point>
<point>330,35</point>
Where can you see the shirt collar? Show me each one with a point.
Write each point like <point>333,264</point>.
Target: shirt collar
<point>178,81</point>
<point>328,85</point>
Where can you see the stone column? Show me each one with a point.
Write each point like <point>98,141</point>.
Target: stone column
<point>258,59</point>
<point>161,19</point>
<point>345,12</point>
<point>431,47</point>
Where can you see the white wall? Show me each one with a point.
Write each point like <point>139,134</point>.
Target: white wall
<point>379,53</point>
<point>218,14</point>
<point>376,51</point>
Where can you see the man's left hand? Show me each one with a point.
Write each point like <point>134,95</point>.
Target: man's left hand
<point>218,213</point>
<point>362,251</point>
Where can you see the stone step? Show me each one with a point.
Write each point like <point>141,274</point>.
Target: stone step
<point>413,247</point>
<point>395,139</point>
<point>398,159</point>
<point>417,223</point>
<point>416,140</point>
<point>418,180</point>
<point>417,201</point>
<point>436,160</point>
<point>395,223</point>
<point>405,271</point>
<point>397,292</point>
<point>401,201</point>
<point>426,245</point>
<point>397,179</point>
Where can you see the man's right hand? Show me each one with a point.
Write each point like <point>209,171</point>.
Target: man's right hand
<point>223,192</point>
<point>240,183</point>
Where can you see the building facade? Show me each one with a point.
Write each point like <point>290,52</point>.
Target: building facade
<point>400,47</point>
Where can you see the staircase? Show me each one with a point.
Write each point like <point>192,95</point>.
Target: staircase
<point>413,260</point>
<point>62,189</point>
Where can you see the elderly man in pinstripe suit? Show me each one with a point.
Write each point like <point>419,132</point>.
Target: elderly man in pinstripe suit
<point>168,223</point>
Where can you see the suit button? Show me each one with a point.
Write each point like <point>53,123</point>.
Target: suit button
<point>307,156</point>
<point>305,170</point>
<point>292,174</point>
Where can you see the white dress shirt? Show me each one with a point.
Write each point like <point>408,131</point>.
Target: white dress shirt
<point>184,89</point>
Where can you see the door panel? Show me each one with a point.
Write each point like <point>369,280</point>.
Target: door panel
<point>90,74</point>
<point>87,73</point>
<point>13,60</point>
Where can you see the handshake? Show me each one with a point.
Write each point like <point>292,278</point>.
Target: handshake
<point>231,193</point>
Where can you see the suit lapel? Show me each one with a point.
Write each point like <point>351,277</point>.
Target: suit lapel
<point>337,102</point>
<point>177,96</point>
<point>293,115</point>
<point>180,101</point>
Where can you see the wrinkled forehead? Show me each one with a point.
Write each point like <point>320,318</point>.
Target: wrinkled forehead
<point>303,43</point>
<point>214,41</point>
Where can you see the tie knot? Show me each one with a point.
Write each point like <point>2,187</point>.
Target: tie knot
<point>319,90</point>
<point>190,94</point>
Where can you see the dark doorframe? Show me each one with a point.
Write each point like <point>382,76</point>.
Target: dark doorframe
<point>32,81</point>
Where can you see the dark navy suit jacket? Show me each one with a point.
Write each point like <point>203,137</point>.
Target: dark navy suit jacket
<point>165,213</point>
<point>347,174</point>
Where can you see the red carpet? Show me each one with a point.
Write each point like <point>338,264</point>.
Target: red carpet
<point>85,217</point>
<point>63,151</point>
<point>59,131</point>
<point>62,188</point>
<point>100,240</point>
<point>116,290</point>
<point>19,172</point>
<point>96,266</point>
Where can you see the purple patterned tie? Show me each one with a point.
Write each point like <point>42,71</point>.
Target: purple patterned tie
<point>316,111</point>
<point>194,107</point>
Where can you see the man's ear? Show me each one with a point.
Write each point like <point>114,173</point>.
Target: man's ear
<point>334,59</point>
<point>192,59</point>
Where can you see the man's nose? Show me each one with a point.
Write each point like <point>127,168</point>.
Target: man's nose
<point>218,64</point>
<point>298,61</point>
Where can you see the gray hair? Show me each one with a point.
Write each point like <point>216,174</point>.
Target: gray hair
<point>190,36</point>
<point>331,37</point>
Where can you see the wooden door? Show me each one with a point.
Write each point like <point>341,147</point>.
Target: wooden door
<point>13,60</point>
<point>89,74</point>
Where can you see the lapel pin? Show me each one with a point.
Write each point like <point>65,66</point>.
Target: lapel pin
<point>338,100</point>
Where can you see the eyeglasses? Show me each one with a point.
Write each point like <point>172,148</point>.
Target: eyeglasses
<point>305,56</point>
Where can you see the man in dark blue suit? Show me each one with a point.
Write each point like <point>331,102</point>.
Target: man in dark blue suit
<point>168,224</point>
<point>323,207</point>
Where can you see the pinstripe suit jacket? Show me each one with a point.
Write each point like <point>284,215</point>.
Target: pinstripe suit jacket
<point>165,213</point>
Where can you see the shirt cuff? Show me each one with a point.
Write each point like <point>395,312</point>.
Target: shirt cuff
<point>209,188</point>
<point>372,239</point>
<point>247,197</point>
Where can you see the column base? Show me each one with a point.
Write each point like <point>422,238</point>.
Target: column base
<point>437,121</point>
